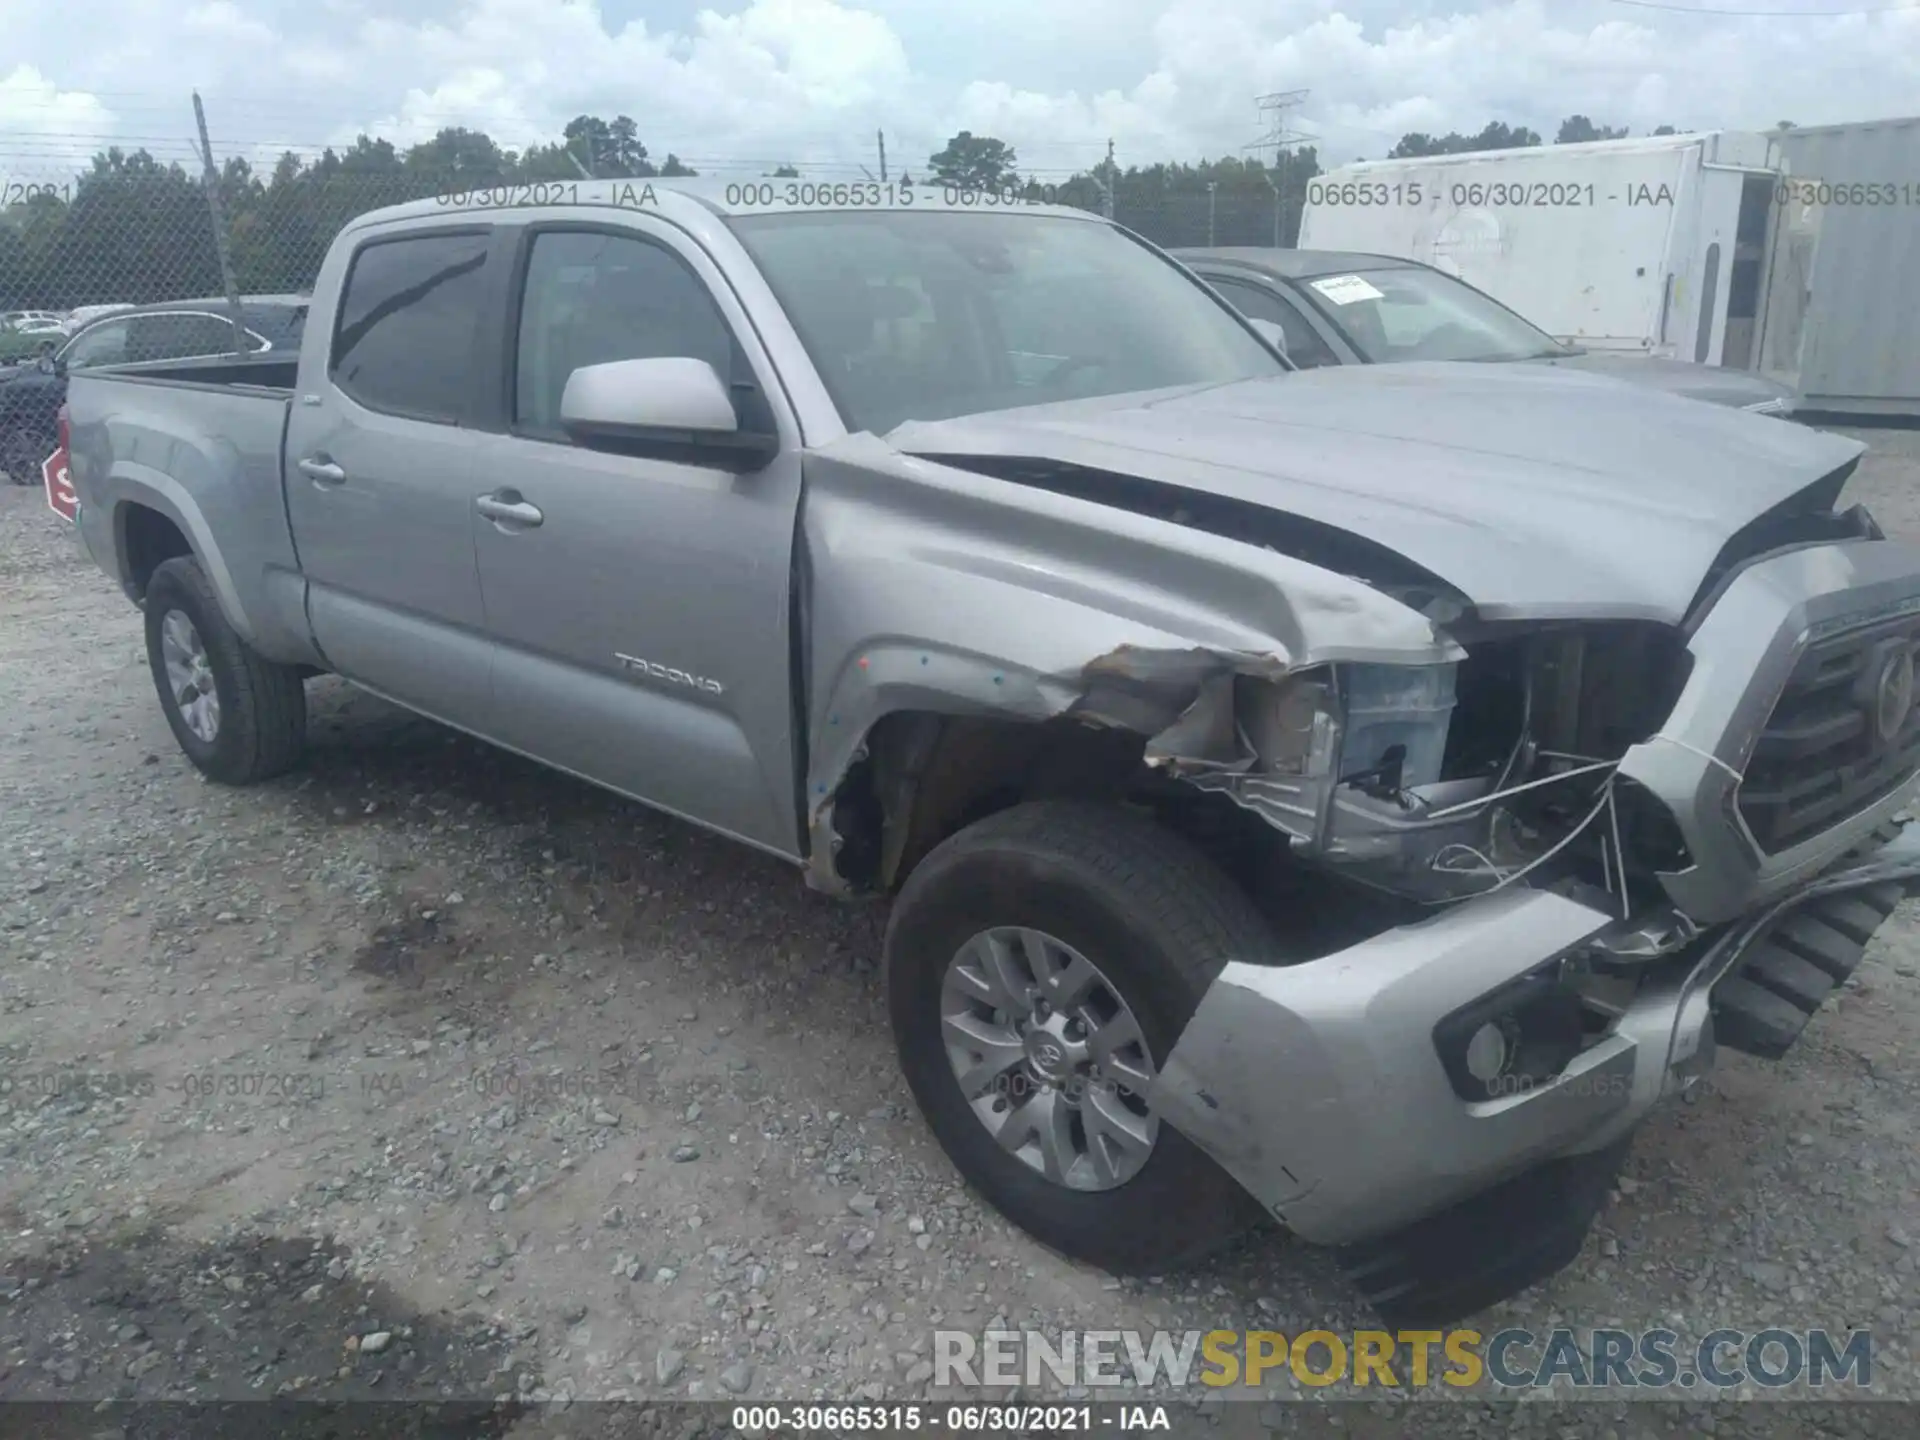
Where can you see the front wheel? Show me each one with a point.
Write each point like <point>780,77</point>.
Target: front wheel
<point>239,716</point>
<point>1040,966</point>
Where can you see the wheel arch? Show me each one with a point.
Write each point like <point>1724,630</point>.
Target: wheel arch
<point>153,515</point>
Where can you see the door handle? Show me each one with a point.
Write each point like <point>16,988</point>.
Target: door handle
<point>323,472</point>
<point>519,513</point>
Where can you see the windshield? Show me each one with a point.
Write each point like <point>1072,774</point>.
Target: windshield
<point>1408,314</point>
<point>931,315</point>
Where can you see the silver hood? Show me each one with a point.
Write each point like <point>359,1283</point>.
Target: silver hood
<point>1535,491</point>
<point>1714,384</point>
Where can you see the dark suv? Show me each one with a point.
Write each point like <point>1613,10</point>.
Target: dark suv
<point>31,396</point>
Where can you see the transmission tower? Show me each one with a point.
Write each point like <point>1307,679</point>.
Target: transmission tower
<point>1278,136</point>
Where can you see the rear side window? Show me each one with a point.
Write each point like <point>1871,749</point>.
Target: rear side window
<point>405,340</point>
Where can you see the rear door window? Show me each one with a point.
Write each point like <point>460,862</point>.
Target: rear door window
<point>404,343</point>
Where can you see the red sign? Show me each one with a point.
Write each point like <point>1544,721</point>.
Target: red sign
<point>60,494</point>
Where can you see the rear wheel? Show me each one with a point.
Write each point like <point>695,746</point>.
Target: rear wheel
<point>238,716</point>
<point>1041,965</point>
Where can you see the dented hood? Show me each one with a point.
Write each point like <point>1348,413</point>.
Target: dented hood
<point>1535,492</point>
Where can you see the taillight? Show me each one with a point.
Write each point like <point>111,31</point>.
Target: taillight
<point>66,433</point>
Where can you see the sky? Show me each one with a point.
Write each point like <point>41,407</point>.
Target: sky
<point>742,87</point>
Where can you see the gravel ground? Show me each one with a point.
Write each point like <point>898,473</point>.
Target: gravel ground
<point>424,1072</point>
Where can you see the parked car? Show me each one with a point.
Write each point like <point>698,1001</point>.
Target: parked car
<point>30,319</point>
<point>31,391</point>
<point>1347,309</point>
<point>1353,796</point>
<point>23,347</point>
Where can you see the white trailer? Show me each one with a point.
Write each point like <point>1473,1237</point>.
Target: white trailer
<point>1654,246</point>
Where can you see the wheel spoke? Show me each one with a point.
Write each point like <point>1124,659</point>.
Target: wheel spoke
<point>993,1051</point>
<point>1002,969</point>
<point>1054,1126</point>
<point>1068,986</point>
<point>976,986</point>
<point>1129,1074</point>
<point>1114,1036</point>
<point>1016,1125</point>
<point>175,643</point>
<point>1115,1134</point>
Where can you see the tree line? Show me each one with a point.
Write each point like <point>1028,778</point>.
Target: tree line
<point>133,229</point>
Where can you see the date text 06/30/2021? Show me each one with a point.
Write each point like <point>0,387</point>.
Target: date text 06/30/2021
<point>1584,195</point>
<point>750,194</point>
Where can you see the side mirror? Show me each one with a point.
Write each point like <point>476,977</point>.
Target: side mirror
<point>673,407</point>
<point>1271,332</point>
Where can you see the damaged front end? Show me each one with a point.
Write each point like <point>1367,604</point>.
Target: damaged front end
<point>1440,782</point>
<point>1635,843</point>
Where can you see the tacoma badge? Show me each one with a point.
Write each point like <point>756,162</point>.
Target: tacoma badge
<point>637,666</point>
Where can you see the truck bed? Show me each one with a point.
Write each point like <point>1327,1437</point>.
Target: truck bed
<point>200,442</point>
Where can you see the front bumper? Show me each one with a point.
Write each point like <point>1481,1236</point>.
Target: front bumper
<point>1319,1088</point>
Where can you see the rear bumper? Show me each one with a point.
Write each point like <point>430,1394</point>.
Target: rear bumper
<point>1320,1088</point>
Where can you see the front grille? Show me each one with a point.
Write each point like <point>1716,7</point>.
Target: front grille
<point>1822,755</point>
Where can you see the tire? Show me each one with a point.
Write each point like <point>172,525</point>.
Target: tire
<point>1159,922</point>
<point>259,726</point>
<point>20,456</point>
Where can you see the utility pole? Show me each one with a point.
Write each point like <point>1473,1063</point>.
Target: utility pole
<point>1106,189</point>
<point>1280,139</point>
<point>1213,187</point>
<point>881,136</point>
<point>221,253</point>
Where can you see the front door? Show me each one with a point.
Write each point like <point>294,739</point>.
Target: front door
<point>639,603</point>
<point>380,476</point>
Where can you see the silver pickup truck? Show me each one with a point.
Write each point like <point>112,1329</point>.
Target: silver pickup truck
<point>1350,797</point>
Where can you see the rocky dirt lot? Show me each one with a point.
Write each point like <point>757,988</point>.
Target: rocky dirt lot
<point>425,1073</point>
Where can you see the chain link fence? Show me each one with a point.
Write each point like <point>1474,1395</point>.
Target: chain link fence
<point>133,228</point>
<point>132,231</point>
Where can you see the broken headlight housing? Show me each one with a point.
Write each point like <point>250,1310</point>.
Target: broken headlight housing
<point>1353,722</point>
<point>1442,781</point>
<point>1328,740</point>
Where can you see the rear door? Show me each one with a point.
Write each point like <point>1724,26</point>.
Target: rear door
<point>379,470</point>
<point>642,617</point>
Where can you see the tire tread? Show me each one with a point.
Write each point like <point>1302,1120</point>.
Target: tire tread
<point>271,716</point>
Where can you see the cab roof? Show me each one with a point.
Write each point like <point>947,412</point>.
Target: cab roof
<point>681,197</point>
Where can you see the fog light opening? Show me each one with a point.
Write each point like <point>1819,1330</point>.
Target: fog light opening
<point>1515,1039</point>
<point>1488,1053</point>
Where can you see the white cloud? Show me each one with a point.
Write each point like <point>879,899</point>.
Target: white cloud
<point>810,80</point>
<point>33,108</point>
